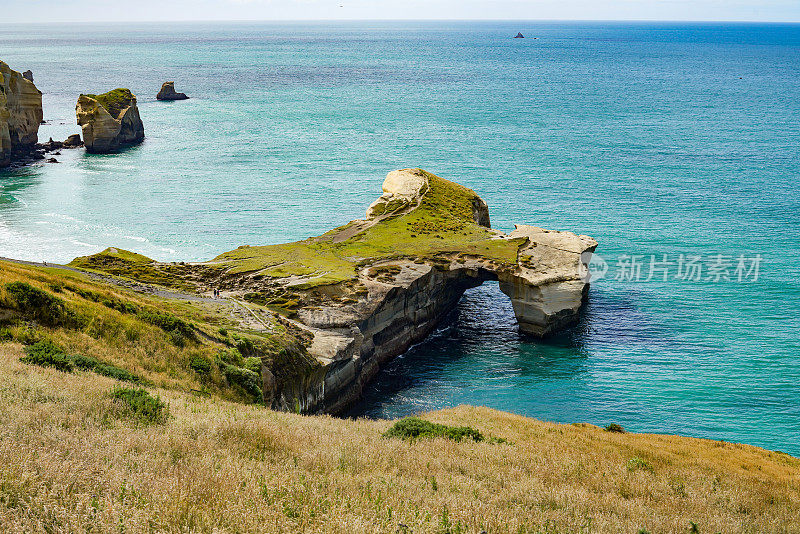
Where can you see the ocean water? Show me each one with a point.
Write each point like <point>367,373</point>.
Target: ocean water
<point>656,139</point>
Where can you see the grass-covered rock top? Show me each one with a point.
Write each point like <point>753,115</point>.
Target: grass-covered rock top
<point>439,219</point>
<point>115,101</point>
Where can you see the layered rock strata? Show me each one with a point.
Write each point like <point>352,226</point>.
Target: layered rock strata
<point>20,115</point>
<point>362,294</point>
<point>109,121</point>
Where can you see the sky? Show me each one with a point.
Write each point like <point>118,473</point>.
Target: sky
<point>174,10</point>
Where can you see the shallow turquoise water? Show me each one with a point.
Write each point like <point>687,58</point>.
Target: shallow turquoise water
<point>653,138</point>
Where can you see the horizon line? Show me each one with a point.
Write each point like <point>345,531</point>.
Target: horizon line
<point>643,20</point>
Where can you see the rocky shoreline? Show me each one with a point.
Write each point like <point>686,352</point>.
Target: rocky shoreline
<point>109,121</point>
<point>362,294</point>
<point>355,297</point>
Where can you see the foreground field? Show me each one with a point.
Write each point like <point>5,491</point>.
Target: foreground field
<point>70,461</point>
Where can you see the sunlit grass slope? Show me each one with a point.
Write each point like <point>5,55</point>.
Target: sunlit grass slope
<point>71,462</point>
<point>168,343</point>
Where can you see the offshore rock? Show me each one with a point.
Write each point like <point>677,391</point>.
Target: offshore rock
<point>73,141</point>
<point>109,121</point>
<point>167,92</point>
<point>20,115</point>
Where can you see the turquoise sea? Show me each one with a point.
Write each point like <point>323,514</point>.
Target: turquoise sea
<point>656,139</point>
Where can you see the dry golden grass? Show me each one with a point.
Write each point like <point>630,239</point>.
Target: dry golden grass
<point>68,464</point>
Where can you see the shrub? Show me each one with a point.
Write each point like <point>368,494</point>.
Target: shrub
<point>639,464</point>
<point>245,346</point>
<point>120,306</point>
<point>252,364</point>
<point>139,405</point>
<point>176,327</point>
<point>231,356</point>
<point>112,371</point>
<point>39,305</point>
<point>200,365</point>
<point>249,381</point>
<point>46,354</point>
<point>414,428</point>
<point>614,427</point>
<point>6,334</point>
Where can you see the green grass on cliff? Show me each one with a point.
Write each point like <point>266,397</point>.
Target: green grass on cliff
<point>114,101</point>
<point>69,321</point>
<point>442,224</point>
<point>137,267</point>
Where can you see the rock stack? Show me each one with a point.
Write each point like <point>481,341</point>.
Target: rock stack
<point>20,115</point>
<point>109,121</point>
<point>167,92</point>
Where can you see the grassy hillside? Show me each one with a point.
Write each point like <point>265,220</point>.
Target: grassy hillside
<point>188,345</point>
<point>71,460</point>
<point>131,412</point>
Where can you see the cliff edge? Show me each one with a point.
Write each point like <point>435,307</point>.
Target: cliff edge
<point>110,121</point>
<point>363,293</point>
<point>20,114</point>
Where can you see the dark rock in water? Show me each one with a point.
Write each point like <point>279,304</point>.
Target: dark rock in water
<point>28,75</point>
<point>51,145</point>
<point>73,141</point>
<point>52,160</point>
<point>167,92</point>
<point>519,36</point>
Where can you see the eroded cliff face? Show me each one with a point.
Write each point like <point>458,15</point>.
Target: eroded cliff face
<point>20,114</point>
<point>363,293</point>
<point>109,121</point>
<point>423,243</point>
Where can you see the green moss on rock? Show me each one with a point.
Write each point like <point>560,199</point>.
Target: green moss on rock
<point>115,101</point>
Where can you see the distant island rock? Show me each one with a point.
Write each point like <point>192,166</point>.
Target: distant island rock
<point>363,293</point>
<point>20,115</point>
<point>167,92</point>
<point>519,36</point>
<point>110,121</point>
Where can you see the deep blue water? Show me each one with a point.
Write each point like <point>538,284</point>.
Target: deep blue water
<point>656,139</point>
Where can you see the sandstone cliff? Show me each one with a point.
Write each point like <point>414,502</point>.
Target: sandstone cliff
<point>363,293</point>
<point>20,114</point>
<point>109,121</point>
